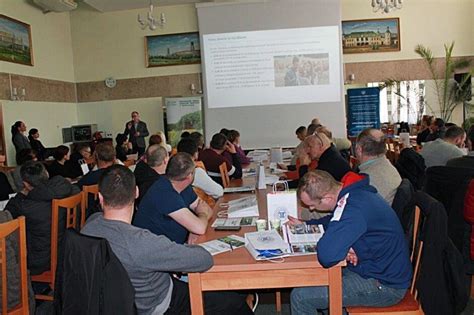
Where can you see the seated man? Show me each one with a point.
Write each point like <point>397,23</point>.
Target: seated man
<point>362,229</point>
<point>319,147</point>
<point>466,161</point>
<point>370,151</point>
<point>34,202</point>
<point>201,179</point>
<point>105,157</point>
<point>437,130</point>
<point>441,150</point>
<point>149,170</point>
<point>149,259</point>
<point>213,158</point>
<point>170,207</point>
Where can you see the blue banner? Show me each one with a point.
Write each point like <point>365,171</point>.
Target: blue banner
<point>363,109</point>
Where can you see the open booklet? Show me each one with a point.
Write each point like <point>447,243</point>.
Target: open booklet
<point>302,238</point>
<point>223,244</point>
<point>242,207</point>
<point>247,221</point>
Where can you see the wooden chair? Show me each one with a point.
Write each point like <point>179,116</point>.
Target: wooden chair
<point>70,205</point>
<point>86,191</point>
<point>393,150</point>
<point>7,229</point>
<point>224,175</point>
<point>409,304</point>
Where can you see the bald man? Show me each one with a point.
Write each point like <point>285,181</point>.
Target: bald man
<point>370,151</point>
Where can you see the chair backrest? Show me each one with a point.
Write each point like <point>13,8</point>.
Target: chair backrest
<point>7,229</point>
<point>70,205</point>
<point>416,250</point>
<point>224,175</point>
<point>86,191</point>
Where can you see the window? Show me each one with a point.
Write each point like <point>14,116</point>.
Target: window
<point>402,101</point>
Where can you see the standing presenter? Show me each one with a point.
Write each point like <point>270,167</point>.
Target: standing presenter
<point>137,131</point>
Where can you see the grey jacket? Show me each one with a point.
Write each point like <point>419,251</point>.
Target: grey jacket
<point>20,142</point>
<point>383,176</point>
<point>138,142</point>
<point>148,259</point>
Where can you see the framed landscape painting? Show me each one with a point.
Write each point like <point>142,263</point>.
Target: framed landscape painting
<point>374,35</point>
<point>172,49</point>
<point>15,41</point>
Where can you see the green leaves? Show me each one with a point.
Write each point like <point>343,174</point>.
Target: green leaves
<point>449,93</point>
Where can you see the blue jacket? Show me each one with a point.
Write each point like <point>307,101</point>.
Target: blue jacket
<point>364,221</point>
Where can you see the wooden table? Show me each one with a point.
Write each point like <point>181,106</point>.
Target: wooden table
<point>237,270</point>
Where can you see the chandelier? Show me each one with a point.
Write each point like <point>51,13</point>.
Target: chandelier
<point>151,22</point>
<point>386,5</point>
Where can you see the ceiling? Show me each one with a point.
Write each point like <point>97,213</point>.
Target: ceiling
<point>116,5</point>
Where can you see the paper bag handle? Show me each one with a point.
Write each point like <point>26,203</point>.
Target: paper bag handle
<point>278,182</point>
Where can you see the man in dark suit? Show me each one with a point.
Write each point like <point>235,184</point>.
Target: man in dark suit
<point>137,131</point>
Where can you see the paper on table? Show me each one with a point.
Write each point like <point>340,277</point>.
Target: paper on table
<point>223,244</point>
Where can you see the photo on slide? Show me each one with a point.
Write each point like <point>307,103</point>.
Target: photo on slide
<point>300,70</point>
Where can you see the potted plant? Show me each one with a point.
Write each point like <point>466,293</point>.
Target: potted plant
<point>449,92</point>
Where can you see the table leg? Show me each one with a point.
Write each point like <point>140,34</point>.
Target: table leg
<point>335,290</point>
<point>195,294</point>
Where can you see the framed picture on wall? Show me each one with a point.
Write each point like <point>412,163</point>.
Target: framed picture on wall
<point>372,35</point>
<point>15,41</point>
<point>172,49</point>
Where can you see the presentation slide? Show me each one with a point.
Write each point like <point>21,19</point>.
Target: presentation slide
<point>286,66</point>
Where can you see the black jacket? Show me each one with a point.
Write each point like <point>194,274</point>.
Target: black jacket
<point>404,205</point>
<point>332,162</point>
<point>145,176</point>
<point>449,185</point>
<point>137,142</point>
<point>36,207</point>
<point>90,279</point>
<point>411,165</point>
<point>442,282</point>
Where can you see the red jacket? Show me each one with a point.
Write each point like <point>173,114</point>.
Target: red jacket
<point>469,212</point>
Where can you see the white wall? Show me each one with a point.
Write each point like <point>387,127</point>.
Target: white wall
<point>51,42</point>
<point>48,118</point>
<point>112,44</point>
<point>429,22</point>
<point>111,116</point>
<point>52,55</point>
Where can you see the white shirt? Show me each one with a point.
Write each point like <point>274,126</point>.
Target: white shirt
<point>204,182</point>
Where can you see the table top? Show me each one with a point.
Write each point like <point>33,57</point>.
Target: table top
<point>240,259</point>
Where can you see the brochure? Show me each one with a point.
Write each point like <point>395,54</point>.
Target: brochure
<point>264,245</point>
<point>239,189</point>
<point>243,207</point>
<point>223,244</point>
<point>302,238</point>
<point>247,221</point>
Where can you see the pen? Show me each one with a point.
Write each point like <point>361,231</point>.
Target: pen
<point>231,247</point>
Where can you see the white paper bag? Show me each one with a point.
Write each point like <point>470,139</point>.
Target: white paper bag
<point>84,167</point>
<point>281,204</point>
